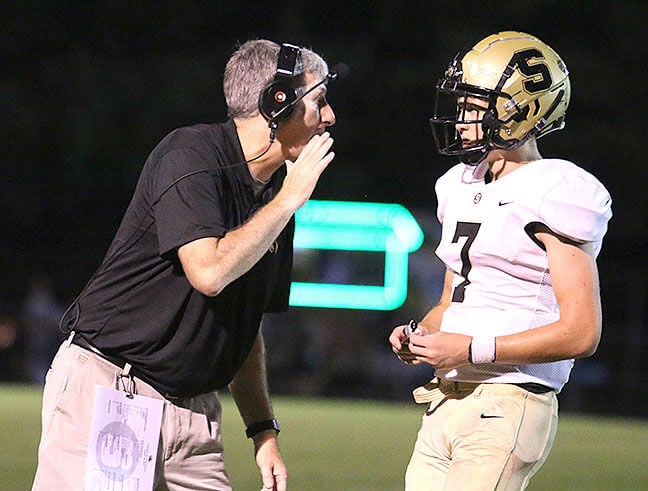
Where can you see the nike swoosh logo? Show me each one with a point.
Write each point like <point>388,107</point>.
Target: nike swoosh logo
<point>489,416</point>
<point>502,203</point>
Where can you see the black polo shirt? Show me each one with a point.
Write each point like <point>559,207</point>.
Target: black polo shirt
<point>140,307</point>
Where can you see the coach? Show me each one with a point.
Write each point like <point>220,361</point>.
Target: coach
<point>204,249</point>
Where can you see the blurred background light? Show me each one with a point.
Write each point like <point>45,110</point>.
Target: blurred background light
<point>356,226</point>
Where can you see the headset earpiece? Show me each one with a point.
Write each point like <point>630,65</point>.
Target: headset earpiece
<point>275,101</point>
<point>274,98</point>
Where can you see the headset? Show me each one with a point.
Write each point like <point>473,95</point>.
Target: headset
<point>277,100</point>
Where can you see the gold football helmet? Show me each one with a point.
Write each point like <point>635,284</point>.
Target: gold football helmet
<point>522,81</point>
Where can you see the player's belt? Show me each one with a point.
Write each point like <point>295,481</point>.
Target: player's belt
<point>535,387</point>
<point>455,386</point>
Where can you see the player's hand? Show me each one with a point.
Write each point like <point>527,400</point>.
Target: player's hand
<point>302,174</point>
<point>399,340</point>
<point>440,349</point>
<point>270,463</point>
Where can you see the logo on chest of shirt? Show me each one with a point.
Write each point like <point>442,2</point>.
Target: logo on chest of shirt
<point>478,197</point>
<point>274,247</point>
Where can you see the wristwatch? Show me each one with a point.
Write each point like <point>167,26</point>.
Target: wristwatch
<point>267,424</point>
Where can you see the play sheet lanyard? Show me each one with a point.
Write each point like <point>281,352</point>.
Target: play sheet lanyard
<point>123,442</point>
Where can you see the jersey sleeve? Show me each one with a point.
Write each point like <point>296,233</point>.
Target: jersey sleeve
<point>187,207</point>
<point>577,207</point>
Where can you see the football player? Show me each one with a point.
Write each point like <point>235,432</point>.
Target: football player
<point>521,301</point>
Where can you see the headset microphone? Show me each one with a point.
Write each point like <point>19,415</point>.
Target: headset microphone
<point>339,70</point>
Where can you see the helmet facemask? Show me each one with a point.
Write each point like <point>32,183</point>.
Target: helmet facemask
<point>451,109</point>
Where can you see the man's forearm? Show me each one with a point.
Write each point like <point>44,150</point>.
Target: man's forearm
<point>211,263</point>
<point>250,387</point>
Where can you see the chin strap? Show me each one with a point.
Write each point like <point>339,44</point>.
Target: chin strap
<point>475,157</point>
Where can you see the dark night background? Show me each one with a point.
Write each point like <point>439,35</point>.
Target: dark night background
<point>87,89</point>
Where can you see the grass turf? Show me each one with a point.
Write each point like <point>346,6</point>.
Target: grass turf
<point>359,445</point>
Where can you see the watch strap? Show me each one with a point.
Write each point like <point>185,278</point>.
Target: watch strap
<point>267,424</point>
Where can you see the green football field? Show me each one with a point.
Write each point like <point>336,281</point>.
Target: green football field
<point>359,445</point>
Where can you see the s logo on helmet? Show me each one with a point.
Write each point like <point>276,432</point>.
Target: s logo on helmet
<point>538,73</point>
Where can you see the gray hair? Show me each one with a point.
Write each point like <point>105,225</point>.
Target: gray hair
<point>252,67</point>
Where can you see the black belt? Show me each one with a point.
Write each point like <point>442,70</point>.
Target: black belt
<point>79,341</point>
<point>535,387</point>
<point>119,362</point>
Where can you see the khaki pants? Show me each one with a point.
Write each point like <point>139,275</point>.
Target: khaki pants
<point>480,437</point>
<point>190,453</point>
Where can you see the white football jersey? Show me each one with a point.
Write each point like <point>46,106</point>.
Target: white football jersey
<point>502,282</point>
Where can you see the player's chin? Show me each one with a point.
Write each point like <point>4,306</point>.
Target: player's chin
<point>469,145</point>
